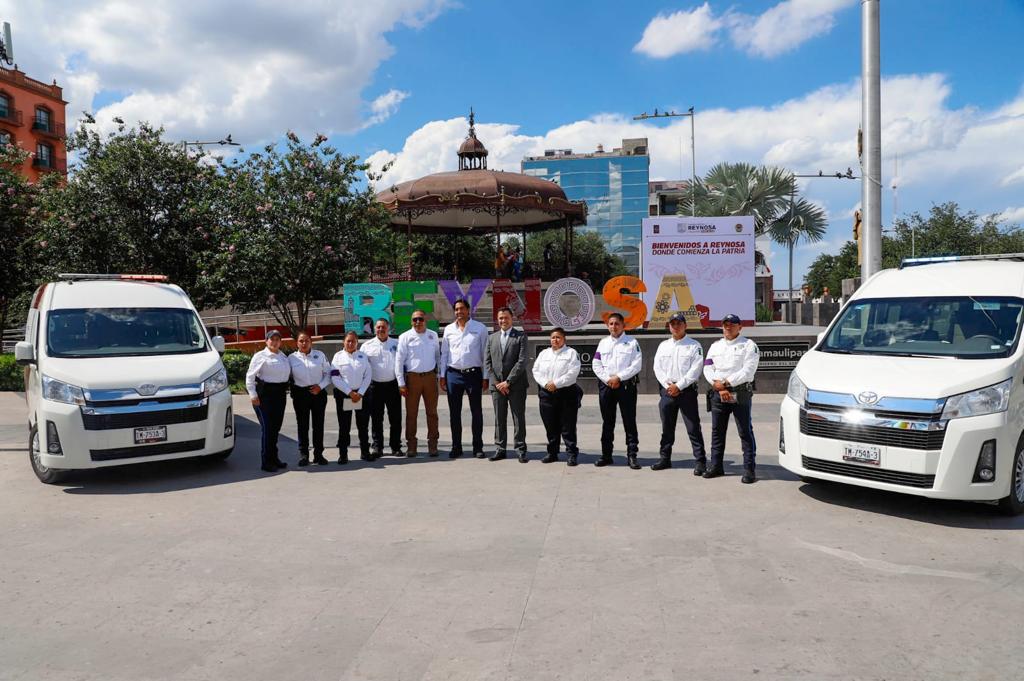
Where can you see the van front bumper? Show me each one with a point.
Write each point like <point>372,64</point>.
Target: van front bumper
<point>945,473</point>
<point>106,444</point>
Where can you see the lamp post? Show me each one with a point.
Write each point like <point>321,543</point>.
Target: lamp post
<point>848,175</point>
<point>226,142</point>
<point>693,152</point>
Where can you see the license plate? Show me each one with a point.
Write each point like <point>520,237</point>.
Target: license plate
<point>145,436</point>
<point>863,454</point>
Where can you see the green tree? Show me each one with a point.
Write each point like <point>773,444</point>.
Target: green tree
<point>295,225</point>
<point>18,214</point>
<point>134,202</point>
<point>945,231</point>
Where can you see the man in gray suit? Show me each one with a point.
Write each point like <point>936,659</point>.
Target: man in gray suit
<point>506,370</point>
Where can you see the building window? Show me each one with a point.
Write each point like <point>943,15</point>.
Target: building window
<point>5,138</point>
<point>5,106</point>
<point>42,121</point>
<point>44,156</point>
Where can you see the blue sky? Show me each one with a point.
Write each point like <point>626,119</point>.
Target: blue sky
<point>772,82</point>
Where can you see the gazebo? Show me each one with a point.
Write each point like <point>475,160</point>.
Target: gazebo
<point>474,201</point>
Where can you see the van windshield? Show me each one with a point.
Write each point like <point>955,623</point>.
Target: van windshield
<point>123,332</point>
<point>960,327</point>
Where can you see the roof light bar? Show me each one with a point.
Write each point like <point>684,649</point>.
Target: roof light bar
<point>914,262</point>
<point>112,277</point>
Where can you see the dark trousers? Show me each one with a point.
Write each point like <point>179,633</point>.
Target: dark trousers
<point>740,411</point>
<point>381,396</point>
<point>670,408</point>
<point>558,411</point>
<point>345,424</point>
<point>514,402</point>
<point>623,397</point>
<point>309,406</point>
<point>468,382</point>
<point>270,412</point>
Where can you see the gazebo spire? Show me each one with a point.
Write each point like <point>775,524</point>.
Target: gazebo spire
<point>472,153</point>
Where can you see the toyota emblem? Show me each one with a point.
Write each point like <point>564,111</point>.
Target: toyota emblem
<point>146,389</point>
<point>867,397</point>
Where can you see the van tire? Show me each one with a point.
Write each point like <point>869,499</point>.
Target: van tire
<point>49,476</point>
<point>1013,503</point>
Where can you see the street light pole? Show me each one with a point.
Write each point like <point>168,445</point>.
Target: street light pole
<point>226,142</point>
<point>871,116</point>
<point>693,148</point>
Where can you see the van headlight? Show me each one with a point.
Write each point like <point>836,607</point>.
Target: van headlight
<point>990,400</point>
<point>215,382</point>
<point>797,391</point>
<point>59,391</point>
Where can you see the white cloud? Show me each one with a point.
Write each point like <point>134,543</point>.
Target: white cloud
<point>385,106</point>
<point>778,30</point>
<point>785,26</point>
<point>685,31</point>
<point>249,67</point>
<point>1013,178</point>
<point>1011,215</point>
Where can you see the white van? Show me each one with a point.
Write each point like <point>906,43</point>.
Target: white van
<point>916,386</point>
<point>119,370</point>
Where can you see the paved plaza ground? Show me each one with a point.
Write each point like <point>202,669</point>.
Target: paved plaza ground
<point>467,569</point>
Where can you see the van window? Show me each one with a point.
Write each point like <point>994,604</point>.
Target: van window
<point>123,332</point>
<point>961,327</point>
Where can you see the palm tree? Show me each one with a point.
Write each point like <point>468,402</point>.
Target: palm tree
<point>768,194</point>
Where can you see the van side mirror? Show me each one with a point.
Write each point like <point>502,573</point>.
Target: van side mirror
<point>24,353</point>
<point>218,344</point>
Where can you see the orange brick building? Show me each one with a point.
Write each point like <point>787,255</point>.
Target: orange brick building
<point>32,116</point>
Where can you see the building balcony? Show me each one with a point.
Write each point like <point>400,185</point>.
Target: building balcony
<point>11,117</point>
<point>58,165</point>
<point>50,129</point>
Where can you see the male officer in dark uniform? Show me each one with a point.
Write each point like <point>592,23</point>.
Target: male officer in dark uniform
<point>730,367</point>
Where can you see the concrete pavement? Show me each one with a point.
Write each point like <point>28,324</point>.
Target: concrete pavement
<point>467,569</point>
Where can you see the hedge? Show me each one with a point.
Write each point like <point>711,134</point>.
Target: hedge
<point>12,376</point>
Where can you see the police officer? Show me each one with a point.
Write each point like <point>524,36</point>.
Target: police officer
<point>729,368</point>
<point>556,370</point>
<point>311,374</point>
<point>462,373</point>
<point>383,393</point>
<point>617,362</point>
<point>677,366</point>
<point>351,378</point>
<point>266,381</point>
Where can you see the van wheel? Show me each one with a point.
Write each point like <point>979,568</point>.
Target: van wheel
<point>46,475</point>
<point>1013,503</point>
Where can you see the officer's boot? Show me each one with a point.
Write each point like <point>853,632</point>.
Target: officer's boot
<point>605,460</point>
<point>342,457</point>
<point>318,459</point>
<point>633,463</point>
<point>303,458</point>
<point>663,463</point>
<point>571,459</point>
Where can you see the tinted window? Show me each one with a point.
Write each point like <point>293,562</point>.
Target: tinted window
<point>119,332</point>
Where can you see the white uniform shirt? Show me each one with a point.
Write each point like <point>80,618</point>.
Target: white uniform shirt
<point>617,357</point>
<point>678,361</point>
<point>417,352</point>
<point>734,361</point>
<point>271,367</point>
<point>309,370</point>
<point>351,372</point>
<point>382,358</point>
<point>561,368</point>
<point>463,348</point>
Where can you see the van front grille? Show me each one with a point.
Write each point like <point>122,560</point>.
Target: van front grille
<point>136,419</point>
<point>872,435</point>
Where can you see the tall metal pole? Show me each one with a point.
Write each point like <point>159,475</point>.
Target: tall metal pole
<point>871,163</point>
<point>693,157</point>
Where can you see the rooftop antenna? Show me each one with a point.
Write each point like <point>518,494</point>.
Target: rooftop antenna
<point>7,46</point>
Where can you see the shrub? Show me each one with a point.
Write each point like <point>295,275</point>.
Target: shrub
<point>236,363</point>
<point>12,376</point>
<point>763,313</point>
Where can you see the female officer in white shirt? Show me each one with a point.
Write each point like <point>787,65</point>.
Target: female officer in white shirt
<point>311,374</point>
<point>351,378</point>
<point>267,384</point>
<point>556,370</point>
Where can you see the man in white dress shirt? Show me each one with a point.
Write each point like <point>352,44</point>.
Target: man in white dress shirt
<point>383,393</point>
<point>677,365</point>
<point>462,362</point>
<point>617,363</point>
<point>416,363</point>
<point>730,367</point>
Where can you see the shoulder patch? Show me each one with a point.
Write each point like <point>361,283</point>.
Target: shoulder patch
<point>708,362</point>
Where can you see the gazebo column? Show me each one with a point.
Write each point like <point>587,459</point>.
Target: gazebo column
<point>408,244</point>
<point>566,247</point>
<point>497,222</point>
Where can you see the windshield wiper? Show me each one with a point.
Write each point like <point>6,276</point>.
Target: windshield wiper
<point>910,354</point>
<point>838,351</point>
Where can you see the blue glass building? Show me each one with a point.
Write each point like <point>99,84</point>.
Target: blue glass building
<point>614,185</point>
